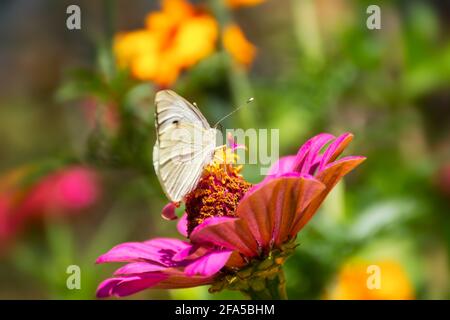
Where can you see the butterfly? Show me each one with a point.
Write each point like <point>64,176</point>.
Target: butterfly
<point>185,144</point>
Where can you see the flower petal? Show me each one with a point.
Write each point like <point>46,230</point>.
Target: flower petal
<point>236,260</point>
<point>105,288</point>
<point>168,212</point>
<point>330,176</point>
<point>209,264</point>
<point>268,179</point>
<point>270,211</point>
<point>309,150</point>
<point>160,250</point>
<point>335,149</point>
<point>185,253</point>
<point>182,225</point>
<point>124,286</point>
<point>225,232</point>
<point>180,280</point>
<point>138,267</point>
<point>314,152</point>
<point>283,165</point>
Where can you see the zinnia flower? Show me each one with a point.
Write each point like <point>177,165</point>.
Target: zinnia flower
<point>238,235</point>
<point>66,191</point>
<point>352,282</point>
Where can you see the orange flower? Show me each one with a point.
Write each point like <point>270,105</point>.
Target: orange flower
<point>242,3</point>
<point>354,279</point>
<point>238,46</point>
<point>175,38</point>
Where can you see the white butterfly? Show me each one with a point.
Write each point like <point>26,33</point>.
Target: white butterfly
<point>185,144</point>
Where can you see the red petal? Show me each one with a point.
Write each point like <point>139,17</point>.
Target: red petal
<point>270,211</point>
<point>330,176</point>
<point>335,149</point>
<point>225,232</point>
<point>168,212</point>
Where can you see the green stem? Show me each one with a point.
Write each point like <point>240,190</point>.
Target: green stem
<point>272,289</point>
<point>307,29</point>
<point>240,86</point>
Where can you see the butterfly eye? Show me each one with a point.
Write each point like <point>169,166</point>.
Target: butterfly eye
<point>175,122</point>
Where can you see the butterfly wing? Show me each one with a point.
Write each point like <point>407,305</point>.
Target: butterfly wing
<point>185,143</point>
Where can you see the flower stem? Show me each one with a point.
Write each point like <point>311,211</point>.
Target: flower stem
<point>277,286</point>
<point>239,83</point>
<point>273,289</point>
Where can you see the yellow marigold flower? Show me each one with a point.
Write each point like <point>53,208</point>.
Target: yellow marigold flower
<point>242,3</point>
<point>352,282</point>
<point>176,37</point>
<point>235,42</point>
<point>195,40</point>
<point>131,45</point>
<point>178,9</point>
<point>172,14</point>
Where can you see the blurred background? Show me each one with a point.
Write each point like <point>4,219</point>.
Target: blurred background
<point>76,132</point>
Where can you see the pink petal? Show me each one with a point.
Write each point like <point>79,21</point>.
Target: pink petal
<point>270,211</point>
<point>225,232</point>
<point>138,267</point>
<point>283,165</point>
<point>335,149</point>
<point>330,176</point>
<point>185,253</point>
<point>65,191</point>
<point>168,212</point>
<point>309,150</point>
<point>159,250</point>
<point>105,288</point>
<point>124,286</point>
<point>314,152</point>
<point>182,225</point>
<point>77,188</point>
<point>209,264</point>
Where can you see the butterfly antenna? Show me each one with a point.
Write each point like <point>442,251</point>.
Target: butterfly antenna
<point>232,112</point>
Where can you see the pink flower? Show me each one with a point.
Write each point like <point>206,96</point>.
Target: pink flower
<point>238,235</point>
<point>66,191</point>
